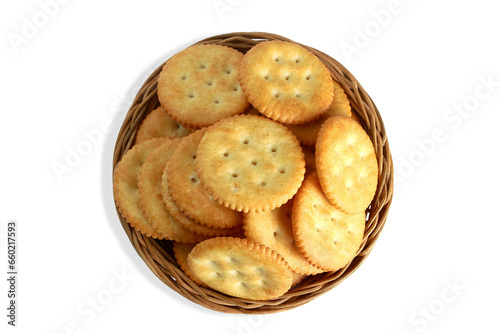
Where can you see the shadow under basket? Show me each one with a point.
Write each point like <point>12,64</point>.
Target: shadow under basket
<point>158,254</point>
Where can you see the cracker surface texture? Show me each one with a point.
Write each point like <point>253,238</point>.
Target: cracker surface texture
<point>273,229</point>
<point>286,82</point>
<point>126,191</point>
<point>250,163</point>
<point>240,268</point>
<point>159,124</point>
<point>199,85</point>
<point>151,200</point>
<point>346,164</point>
<point>181,252</point>
<point>184,220</point>
<point>308,132</point>
<point>187,192</point>
<point>328,238</point>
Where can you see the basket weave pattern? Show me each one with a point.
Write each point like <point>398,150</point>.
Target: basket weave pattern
<point>158,254</point>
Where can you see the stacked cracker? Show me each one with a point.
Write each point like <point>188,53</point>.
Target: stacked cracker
<point>220,169</point>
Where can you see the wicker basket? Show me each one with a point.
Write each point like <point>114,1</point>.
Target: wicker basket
<point>158,254</point>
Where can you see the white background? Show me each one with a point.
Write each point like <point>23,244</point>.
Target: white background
<point>421,64</point>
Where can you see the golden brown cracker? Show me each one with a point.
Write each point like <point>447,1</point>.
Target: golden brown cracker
<point>273,229</point>
<point>159,124</point>
<point>346,164</point>
<point>199,85</point>
<point>308,132</point>
<point>187,192</point>
<point>151,200</point>
<point>125,187</point>
<point>286,82</point>
<point>181,251</point>
<point>250,163</point>
<point>328,238</point>
<point>340,105</point>
<point>184,220</point>
<point>240,268</point>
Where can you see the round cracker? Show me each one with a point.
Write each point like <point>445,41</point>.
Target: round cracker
<point>307,133</point>
<point>327,237</point>
<point>126,191</point>
<point>181,251</point>
<point>273,229</point>
<point>250,163</point>
<point>159,124</point>
<point>187,191</point>
<point>151,200</point>
<point>346,164</point>
<point>184,220</point>
<point>240,268</point>
<point>199,85</point>
<point>286,82</point>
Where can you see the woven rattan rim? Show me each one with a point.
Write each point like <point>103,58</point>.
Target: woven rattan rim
<point>158,254</point>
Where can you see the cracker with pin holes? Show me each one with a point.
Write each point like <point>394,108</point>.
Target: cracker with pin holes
<point>199,85</point>
<point>273,229</point>
<point>286,82</point>
<point>126,191</point>
<point>181,252</point>
<point>187,192</point>
<point>184,220</point>
<point>159,124</point>
<point>327,237</point>
<point>250,163</point>
<point>151,200</point>
<point>307,133</point>
<point>240,268</point>
<point>346,164</point>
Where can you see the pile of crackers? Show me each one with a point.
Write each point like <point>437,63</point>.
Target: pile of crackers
<point>253,165</point>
